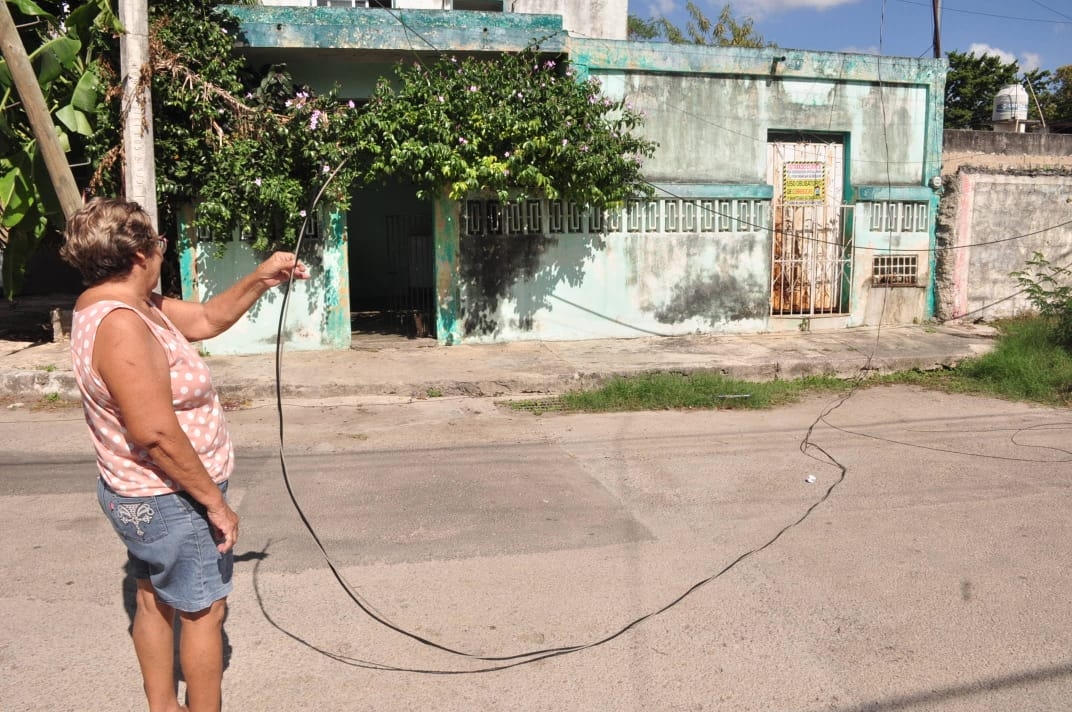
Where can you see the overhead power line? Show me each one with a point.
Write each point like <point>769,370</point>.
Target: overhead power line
<point>946,8</point>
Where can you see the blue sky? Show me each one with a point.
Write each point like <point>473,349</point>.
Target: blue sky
<point>1036,33</point>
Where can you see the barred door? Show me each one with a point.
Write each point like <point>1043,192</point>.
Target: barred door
<point>811,260</point>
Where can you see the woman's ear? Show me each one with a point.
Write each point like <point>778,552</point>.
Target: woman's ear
<point>141,258</point>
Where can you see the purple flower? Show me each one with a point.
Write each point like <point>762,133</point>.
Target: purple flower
<point>257,182</point>
<point>472,87</point>
<point>462,141</point>
<point>302,213</point>
<point>326,169</point>
<point>314,119</point>
<point>549,64</point>
<point>350,104</point>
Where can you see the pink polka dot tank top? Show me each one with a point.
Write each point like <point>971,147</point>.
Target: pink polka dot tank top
<point>125,466</point>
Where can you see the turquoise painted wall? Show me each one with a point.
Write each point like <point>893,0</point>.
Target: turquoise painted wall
<point>710,109</point>
<point>642,275</point>
<point>318,313</point>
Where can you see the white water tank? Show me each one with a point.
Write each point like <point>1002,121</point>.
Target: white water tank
<point>1010,104</point>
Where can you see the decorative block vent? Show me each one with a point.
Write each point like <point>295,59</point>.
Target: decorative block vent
<point>483,216</point>
<point>900,217</point>
<point>895,271</point>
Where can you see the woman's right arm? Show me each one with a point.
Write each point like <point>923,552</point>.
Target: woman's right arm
<point>135,369</point>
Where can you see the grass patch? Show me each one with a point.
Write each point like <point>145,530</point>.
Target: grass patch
<point>1027,364</point>
<point>665,391</point>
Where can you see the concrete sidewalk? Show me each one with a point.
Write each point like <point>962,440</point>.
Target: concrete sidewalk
<point>385,365</point>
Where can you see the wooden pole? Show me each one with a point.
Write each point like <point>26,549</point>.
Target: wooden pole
<point>59,171</point>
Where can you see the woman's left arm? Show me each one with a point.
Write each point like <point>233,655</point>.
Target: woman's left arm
<point>197,321</point>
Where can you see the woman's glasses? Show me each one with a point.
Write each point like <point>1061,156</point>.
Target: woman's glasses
<point>162,241</point>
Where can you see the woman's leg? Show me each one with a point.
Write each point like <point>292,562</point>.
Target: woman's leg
<point>201,653</point>
<point>154,642</point>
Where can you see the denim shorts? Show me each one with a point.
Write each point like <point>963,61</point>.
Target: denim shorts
<point>169,541</point>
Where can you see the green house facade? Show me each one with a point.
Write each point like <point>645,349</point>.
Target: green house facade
<point>792,189</point>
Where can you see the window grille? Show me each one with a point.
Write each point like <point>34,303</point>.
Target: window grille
<point>486,216</point>
<point>895,271</point>
<point>355,3</point>
<point>899,217</point>
<point>312,228</point>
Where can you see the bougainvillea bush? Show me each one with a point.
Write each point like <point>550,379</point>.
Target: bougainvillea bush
<point>513,123</point>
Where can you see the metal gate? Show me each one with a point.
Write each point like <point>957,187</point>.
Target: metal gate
<point>410,264</point>
<point>811,261</point>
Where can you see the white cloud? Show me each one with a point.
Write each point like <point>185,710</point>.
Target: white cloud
<point>980,49</point>
<point>755,9</point>
<point>758,9</point>
<point>660,8</point>
<point>1027,61</point>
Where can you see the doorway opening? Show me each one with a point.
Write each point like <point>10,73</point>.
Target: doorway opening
<point>392,263</point>
<point>811,259</point>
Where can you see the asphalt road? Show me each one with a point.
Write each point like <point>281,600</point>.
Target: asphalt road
<point>933,576</point>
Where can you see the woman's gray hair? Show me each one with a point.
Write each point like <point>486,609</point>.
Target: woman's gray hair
<point>102,238</point>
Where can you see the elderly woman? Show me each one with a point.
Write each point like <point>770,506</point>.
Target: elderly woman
<point>163,450</point>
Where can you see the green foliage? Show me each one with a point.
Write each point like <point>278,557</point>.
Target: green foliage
<point>248,149</point>
<point>1049,289</point>
<point>1028,364</point>
<point>641,30</point>
<point>726,31</point>
<point>971,85</point>
<point>664,391</point>
<point>59,41</point>
<point>1051,92</point>
<point>1060,95</point>
<point>251,151</point>
<point>515,123</point>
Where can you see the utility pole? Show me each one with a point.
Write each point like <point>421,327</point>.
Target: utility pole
<point>33,101</point>
<point>937,29</point>
<point>139,166</point>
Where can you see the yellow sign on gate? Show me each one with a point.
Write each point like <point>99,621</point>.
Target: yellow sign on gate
<point>804,182</point>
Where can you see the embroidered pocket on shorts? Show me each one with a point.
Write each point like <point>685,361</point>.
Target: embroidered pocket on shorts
<point>136,519</point>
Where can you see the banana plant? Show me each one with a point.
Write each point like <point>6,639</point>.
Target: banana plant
<point>61,49</point>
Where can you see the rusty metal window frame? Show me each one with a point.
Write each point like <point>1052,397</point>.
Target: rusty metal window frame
<point>895,271</point>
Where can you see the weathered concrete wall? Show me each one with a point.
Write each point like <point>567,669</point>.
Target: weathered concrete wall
<point>598,19</point>
<point>997,150</point>
<point>713,111</point>
<point>728,120</point>
<point>604,19</point>
<point>318,315</point>
<point>990,224</point>
<point>620,285</point>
